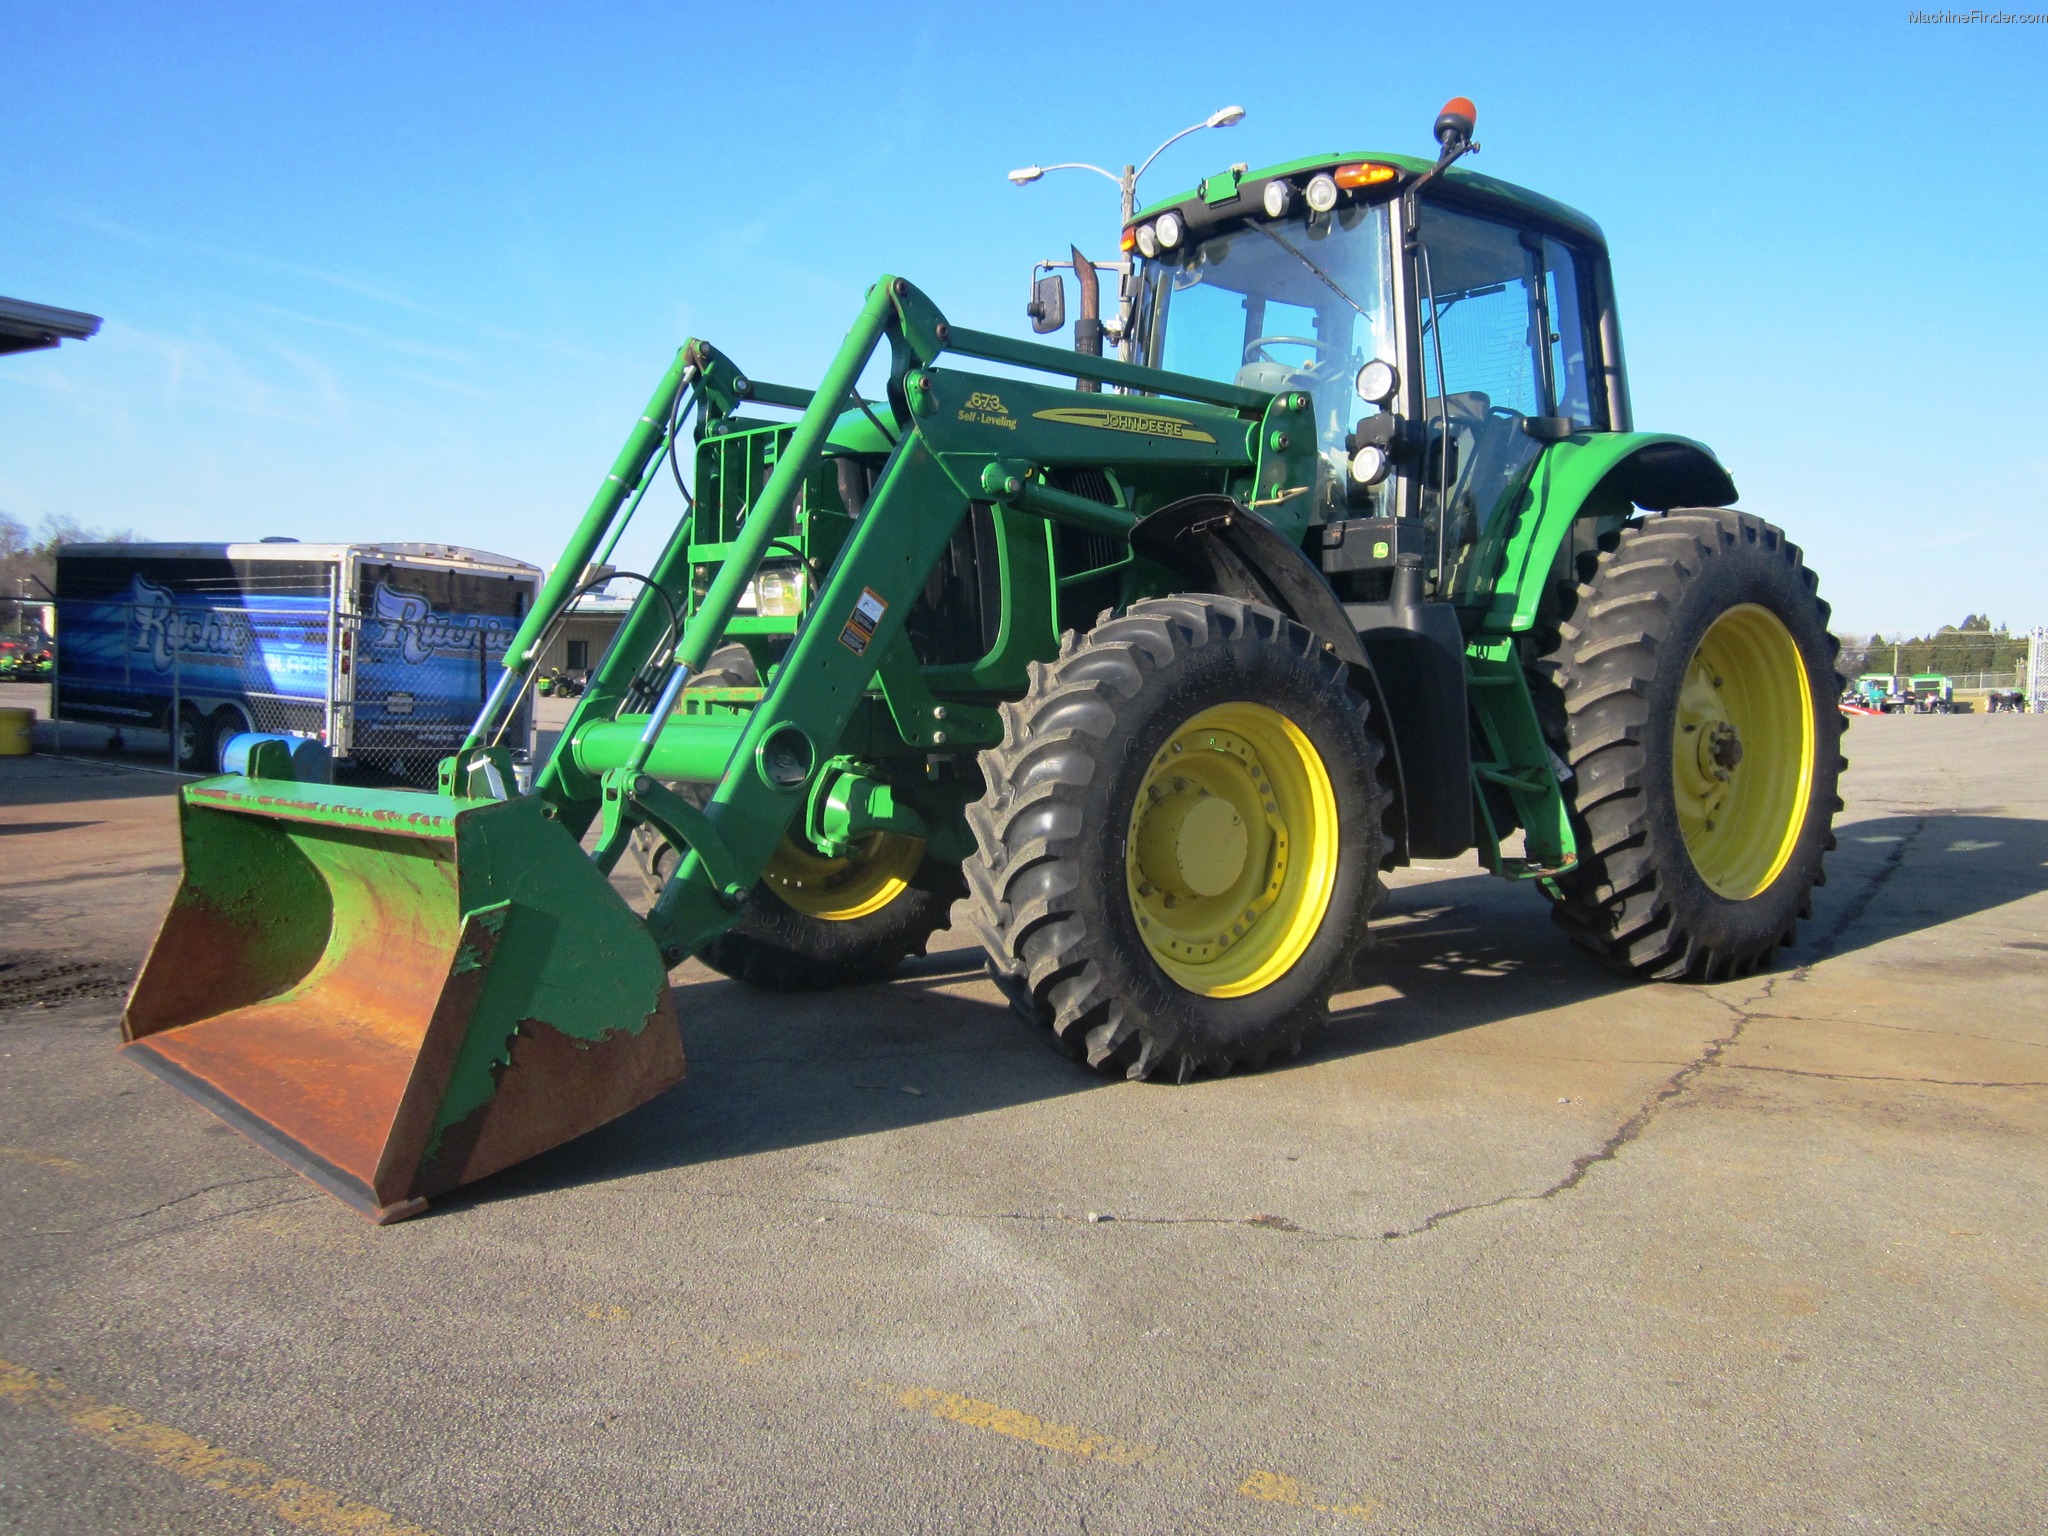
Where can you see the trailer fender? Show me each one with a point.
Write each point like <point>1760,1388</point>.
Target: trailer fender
<point>1217,544</point>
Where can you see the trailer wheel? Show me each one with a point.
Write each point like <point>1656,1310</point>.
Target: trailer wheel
<point>1181,838</point>
<point>1705,744</point>
<point>197,750</point>
<point>814,922</point>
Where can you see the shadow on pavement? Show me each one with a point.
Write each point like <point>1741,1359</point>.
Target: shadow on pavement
<point>1467,951</point>
<point>1895,875</point>
<point>771,1071</point>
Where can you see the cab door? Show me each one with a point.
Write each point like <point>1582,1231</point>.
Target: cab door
<point>1505,362</point>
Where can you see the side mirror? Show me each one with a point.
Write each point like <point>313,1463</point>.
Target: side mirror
<point>1048,306</point>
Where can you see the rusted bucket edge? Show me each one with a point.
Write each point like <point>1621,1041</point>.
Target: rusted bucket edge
<point>417,815</point>
<point>309,1165</point>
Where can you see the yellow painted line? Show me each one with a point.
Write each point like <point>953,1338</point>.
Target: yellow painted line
<point>764,1354</point>
<point>43,1159</point>
<point>1266,1487</point>
<point>291,1499</point>
<point>1278,1488</point>
<point>1069,1439</point>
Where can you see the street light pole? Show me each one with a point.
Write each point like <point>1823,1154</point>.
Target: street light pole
<point>1127,184</point>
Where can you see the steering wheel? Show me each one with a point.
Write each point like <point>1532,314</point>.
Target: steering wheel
<point>1259,344</point>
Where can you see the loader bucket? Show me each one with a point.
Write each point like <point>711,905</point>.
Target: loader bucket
<point>398,992</point>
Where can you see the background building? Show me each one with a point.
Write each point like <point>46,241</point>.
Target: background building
<point>579,643</point>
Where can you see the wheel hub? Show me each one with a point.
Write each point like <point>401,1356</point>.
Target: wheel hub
<point>874,873</point>
<point>1743,750</point>
<point>1192,842</point>
<point>1720,751</point>
<point>1231,857</point>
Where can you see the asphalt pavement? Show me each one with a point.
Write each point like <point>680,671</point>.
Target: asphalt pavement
<point>1512,1247</point>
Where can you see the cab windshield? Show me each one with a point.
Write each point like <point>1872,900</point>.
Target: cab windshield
<point>1297,303</point>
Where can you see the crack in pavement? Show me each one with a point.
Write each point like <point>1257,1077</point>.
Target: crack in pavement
<point>207,1220</point>
<point>1676,1085</point>
<point>1263,1220</point>
<point>1610,1149</point>
<point>1876,1077</point>
<point>165,1205</point>
<point>1904,1029</point>
<point>1745,1011</point>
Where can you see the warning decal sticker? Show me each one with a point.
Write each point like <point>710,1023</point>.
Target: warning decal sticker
<point>860,624</point>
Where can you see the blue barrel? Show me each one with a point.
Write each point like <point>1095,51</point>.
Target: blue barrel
<point>312,763</point>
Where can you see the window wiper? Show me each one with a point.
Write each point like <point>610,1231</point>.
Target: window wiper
<point>1328,281</point>
<point>1443,307</point>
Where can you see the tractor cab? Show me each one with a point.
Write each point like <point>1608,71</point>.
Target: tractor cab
<point>1446,325</point>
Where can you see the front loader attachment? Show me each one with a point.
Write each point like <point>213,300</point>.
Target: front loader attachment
<point>398,992</point>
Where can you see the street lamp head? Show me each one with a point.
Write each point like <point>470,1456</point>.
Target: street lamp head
<point>1226,117</point>
<point>1027,175</point>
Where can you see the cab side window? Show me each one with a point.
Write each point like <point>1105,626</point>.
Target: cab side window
<point>1510,313</point>
<point>1482,303</point>
<point>1571,346</point>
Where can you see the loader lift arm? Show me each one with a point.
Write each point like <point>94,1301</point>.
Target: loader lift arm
<point>769,761</point>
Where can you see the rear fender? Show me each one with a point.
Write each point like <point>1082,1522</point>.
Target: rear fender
<point>1596,474</point>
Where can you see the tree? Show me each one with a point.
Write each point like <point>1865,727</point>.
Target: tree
<point>28,561</point>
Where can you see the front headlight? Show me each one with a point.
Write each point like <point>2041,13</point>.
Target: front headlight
<point>779,592</point>
<point>1321,192</point>
<point>1167,228</point>
<point>1148,243</point>
<point>1369,465</point>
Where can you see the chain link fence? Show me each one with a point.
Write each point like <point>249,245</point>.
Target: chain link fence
<point>1981,682</point>
<point>413,687</point>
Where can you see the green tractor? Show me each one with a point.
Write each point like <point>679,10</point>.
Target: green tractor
<point>1160,662</point>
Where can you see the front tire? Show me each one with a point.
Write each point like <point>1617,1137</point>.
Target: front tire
<point>1699,686</point>
<point>1181,838</point>
<point>812,923</point>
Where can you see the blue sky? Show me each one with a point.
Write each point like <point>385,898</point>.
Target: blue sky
<point>407,272</point>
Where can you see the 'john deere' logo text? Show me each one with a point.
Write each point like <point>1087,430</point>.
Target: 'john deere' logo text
<point>1125,421</point>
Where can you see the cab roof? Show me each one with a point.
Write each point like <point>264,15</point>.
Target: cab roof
<point>1250,187</point>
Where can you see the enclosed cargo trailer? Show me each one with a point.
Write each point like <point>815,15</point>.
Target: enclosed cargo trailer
<point>381,651</point>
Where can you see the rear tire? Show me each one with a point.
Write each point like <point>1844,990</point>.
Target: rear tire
<point>1186,726</point>
<point>855,919</point>
<point>1699,689</point>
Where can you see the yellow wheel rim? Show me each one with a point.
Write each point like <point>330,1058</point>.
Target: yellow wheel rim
<point>1742,751</point>
<point>1231,855</point>
<point>875,873</point>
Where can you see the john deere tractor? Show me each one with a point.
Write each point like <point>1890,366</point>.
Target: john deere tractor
<point>1160,662</point>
